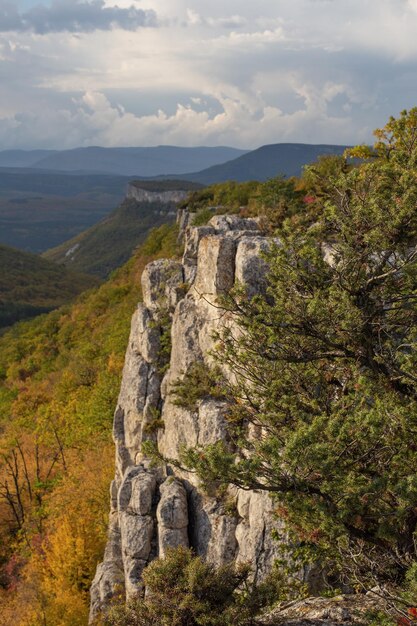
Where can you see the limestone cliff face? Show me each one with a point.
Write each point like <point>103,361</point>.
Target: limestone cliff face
<point>152,509</point>
<point>135,192</point>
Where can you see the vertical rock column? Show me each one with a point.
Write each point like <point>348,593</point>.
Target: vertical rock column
<point>172,516</point>
<point>132,539</point>
<point>136,499</point>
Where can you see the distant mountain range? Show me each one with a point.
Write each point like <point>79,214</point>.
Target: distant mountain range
<point>143,162</point>
<point>30,285</point>
<point>286,159</point>
<point>42,208</point>
<point>204,165</point>
<point>22,158</point>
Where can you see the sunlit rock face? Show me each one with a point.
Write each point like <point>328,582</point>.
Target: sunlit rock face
<point>153,510</point>
<point>135,192</point>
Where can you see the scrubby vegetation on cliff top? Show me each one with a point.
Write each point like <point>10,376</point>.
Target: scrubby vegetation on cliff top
<point>183,590</point>
<point>59,381</point>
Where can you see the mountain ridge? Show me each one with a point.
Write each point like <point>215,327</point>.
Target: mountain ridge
<point>268,161</point>
<point>126,161</point>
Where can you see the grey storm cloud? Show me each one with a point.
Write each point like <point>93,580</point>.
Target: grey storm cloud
<point>73,16</point>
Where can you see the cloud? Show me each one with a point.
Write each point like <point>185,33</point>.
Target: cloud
<point>193,18</point>
<point>241,121</point>
<point>73,16</point>
<point>235,72</point>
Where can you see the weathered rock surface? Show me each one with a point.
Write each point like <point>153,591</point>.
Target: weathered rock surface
<point>153,510</point>
<point>172,516</point>
<point>348,610</point>
<point>145,195</point>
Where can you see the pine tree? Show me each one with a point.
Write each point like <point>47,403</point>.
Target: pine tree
<point>326,366</point>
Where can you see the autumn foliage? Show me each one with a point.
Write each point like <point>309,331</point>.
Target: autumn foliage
<point>59,380</point>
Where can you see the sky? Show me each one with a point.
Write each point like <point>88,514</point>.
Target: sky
<point>242,73</point>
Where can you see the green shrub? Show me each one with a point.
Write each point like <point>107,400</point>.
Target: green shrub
<point>199,381</point>
<point>183,590</point>
<point>202,217</point>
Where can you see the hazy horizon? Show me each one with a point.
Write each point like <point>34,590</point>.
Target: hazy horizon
<point>137,147</point>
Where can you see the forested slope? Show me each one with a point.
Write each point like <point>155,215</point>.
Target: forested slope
<point>59,380</point>
<point>30,285</point>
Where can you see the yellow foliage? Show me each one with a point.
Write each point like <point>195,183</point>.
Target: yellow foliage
<point>59,380</point>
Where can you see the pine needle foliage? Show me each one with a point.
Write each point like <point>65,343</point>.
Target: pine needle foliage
<point>183,590</point>
<point>326,368</point>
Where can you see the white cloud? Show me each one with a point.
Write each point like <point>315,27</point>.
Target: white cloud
<point>95,121</point>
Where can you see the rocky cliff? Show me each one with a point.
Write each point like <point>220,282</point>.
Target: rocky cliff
<point>152,509</point>
<point>141,194</point>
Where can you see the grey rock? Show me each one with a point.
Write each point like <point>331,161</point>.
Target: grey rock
<point>109,579</point>
<point>142,493</point>
<point>214,530</point>
<point>211,421</point>
<point>251,268</point>
<point>133,570</point>
<point>148,334</point>
<point>172,516</point>
<point>216,266</point>
<point>193,236</point>
<point>171,538</point>
<point>161,284</point>
<point>254,532</point>
<point>152,512</point>
<point>136,532</point>
<point>165,197</point>
<point>172,511</point>
<point>224,223</point>
<point>345,610</point>
<point>108,582</point>
<point>183,219</point>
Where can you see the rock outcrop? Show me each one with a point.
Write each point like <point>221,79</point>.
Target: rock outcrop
<point>154,509</point>
<point>140,194</point>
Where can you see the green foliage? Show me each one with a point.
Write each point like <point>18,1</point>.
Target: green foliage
<point>202,217</point>
<point>198,382</point>
<point>325,369</point>
<point>183,590</point>
<point>230,195</point>
<point>380,619</point>
<point>162,241</point>
<point>278,199</point>
<point>274,200</point>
